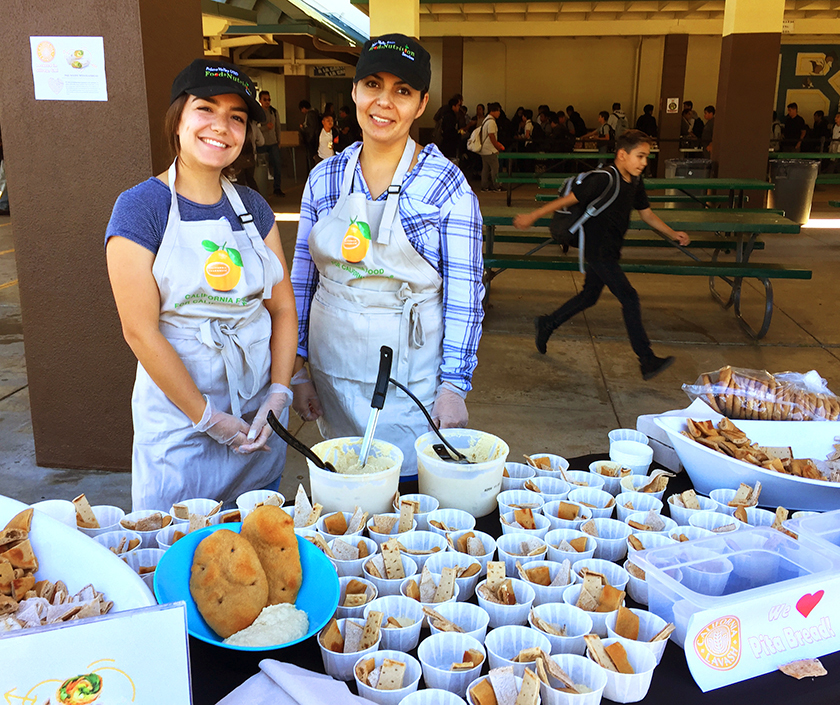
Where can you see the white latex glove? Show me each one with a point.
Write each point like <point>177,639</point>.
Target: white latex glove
<point>221,427</point>
<point>306,402</point>
<point>450,409</point>
<point>278,399</point>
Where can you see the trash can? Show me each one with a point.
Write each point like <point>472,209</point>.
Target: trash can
<point>685,168</point>
<point>794,181</point>
<point>261,175</point>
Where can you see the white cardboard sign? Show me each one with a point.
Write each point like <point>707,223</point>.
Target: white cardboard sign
<point>68,68</point>
<point>731,644</point>
<point>125,656</point>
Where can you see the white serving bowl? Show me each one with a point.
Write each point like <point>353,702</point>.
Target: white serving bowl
<point>577,623</point>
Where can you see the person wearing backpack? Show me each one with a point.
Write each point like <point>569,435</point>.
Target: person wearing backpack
<point>604,236</point>
<point>489,149</point>
<point>618,120</point>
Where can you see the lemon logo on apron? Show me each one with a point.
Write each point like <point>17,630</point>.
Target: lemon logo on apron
<point>356,241</point>
<point>223,267</point>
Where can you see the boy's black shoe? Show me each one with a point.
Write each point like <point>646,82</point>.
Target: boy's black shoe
<point>654,365</point>
<point>542,334</point>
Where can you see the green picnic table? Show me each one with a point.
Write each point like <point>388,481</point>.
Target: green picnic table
<point>735,230</point>
<point>834,204</point>
<point>560,157</point>
<point>804,155</point>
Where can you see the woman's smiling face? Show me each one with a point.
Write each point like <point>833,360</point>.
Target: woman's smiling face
<point>212,130</point>
<point>386,106</point>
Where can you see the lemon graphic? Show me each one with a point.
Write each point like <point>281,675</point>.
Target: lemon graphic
<point>223,268</point>
<point>356,241</point>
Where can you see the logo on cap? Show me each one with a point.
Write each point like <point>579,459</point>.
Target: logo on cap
<point>406,51</point>
<point>230,74</point>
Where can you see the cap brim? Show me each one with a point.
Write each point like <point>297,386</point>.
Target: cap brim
<point>411,78</point>
<point>255,110</point>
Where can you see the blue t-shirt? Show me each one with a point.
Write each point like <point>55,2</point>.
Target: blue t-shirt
<point>140,214</point>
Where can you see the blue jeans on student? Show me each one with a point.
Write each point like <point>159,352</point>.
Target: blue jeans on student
<point>273,152</point>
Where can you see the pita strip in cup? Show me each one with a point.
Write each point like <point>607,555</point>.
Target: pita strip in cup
<point>612,539</point>
<point>550,510</point>
<point>201,506</point>
<point>473,619</point>
<point>714,520</point>
<point>398,638</point>
<point>634,483</point>
<point>627,434</point>
<point>554,537</point>
<point>384,585</point>
<point>548,593</point>
<point>108,517</point>
<point>382,538</point>
<point>722,497</point>
<point>650,625</point>
<point>432,696</point>
<point>166,536</point>
<point>299,530</point>
<point>615,574</point>
<point>692,533</point>
<point>506,500</point>
<point>505,643</point>
<point>455,559</point>
<point>487,541</point>
<point>649,539</point>
<point>582,478</point>
<point>630,687</point>
<point>517,683</point>
<point>641,501</point>
<point>632,454</point>
<point>708,574</point>
<point>603,502</point>
<point>582,671</point>
<point>501,615</point>
<point>352,566</point>
<point>439,651</point>
<point>340,666</point>
<point>509,525</point>
<point>637,588</point>
<point>423,541</point>
<point>455,519</point>
<point>322,527</point>
<point>759,517</point>
<point>357,612</point>
<point>576,622</point>
<point>427,504</point>
<point>611,484</point>
<point>411,678</point>
<point>553,488</point>
<point>681,514</point>
<point>639,518</point>
<point>558,463</point>
<point>518,473</point>
<point>599,619</point>
<point>148,539</point>
<point>432,605</point>
<point>247,500</point>
<point>511,548</point>
<point>112,539</point>
<point>141,560</point>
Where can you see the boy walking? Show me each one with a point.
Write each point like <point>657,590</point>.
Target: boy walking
<point>602,250</point>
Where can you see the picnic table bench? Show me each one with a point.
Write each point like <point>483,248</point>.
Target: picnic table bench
<point>585,157</point>
<point>736,230</point>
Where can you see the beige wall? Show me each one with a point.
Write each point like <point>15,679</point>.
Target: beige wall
<point>701,71</point>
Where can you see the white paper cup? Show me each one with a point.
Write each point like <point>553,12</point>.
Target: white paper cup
<point>547,593</point>
<point>203,506</point>
<point>505,643</point>
<point>582,478</point>
<point>321,526</point>
<point>432,605</point>
<point>452,559</point>
<point>353,567</point>
<point>111,539</point>
<point>108,517</point>
<point>650,539</point>
<point>599,619</point>
<point>487,541</point>
<point>550,510</point>
<point>649,626</point>
<point>582,671</point>
<point>554,537</point>
<point>641,501</point>
<point>234,515</point>
<point>423,541</point>
<point>432,696</point>
<point>632,454</point>
<point>681,514</point>
<point>558,462</point>
<point>340,666</point>
<point>509,525</point>
<point>577,623</point>
<point>714,520</point>
<point>501,615</point>
<point>518,474</point>
<point>146,558</point>
<point>248,500</point>
<point>627,434</point>
<point>637,589</point>
<point>506,500</point>
<point>308,530</point>
<point>148,538</point>
<point>603,502</point>
<point>398,638</point>
<point>630,687</point>
<point>413,671</point>
<point>509,547</point>
<point>472,685</point>
<point>692,533</point>
<point>759,517</point>
<point>615,574</point>
<point>611,484</point>
<point>427,504</point>
<point>166,536</point>
<point>553,488</point>
<point>612,539</point>
<point>438,652</point>
<point>634,483</point>
<point>639,518</point>
<point>358,612</point>
<point>59,509</point>
<point>384,585</point>
<point>382,538</point>
<point>473,619</point>
<point>723,497</point>
<point>455,519</point>
<point>708,574</point>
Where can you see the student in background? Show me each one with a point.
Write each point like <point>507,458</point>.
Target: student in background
<point>327,139</point>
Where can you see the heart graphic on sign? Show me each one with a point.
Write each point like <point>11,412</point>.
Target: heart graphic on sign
<point>56,84</point>
<point>807,603</point>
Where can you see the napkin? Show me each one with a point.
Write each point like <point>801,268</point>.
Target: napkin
<point>284,684</point>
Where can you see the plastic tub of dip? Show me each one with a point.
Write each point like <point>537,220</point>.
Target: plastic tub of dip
<point>372,490</point>
<point>472,487</point>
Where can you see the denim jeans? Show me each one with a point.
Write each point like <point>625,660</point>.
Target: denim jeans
<point>273,152</point>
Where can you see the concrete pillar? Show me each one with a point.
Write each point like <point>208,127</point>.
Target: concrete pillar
<point>297,89</point>
<point>452,74</point>
<point>752,31</point>
<point>389,16</point>
<point>68,162</point>
<point>673,84</point>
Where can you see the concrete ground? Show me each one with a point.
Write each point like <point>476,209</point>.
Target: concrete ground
<point>564,402</point>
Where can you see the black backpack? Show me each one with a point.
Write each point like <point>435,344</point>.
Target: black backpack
<point>567,226</point>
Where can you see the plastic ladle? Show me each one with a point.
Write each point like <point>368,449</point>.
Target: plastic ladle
<point>293,442</point>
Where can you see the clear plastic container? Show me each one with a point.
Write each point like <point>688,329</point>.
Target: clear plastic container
<point>729,569</point>
<point>821,529</point>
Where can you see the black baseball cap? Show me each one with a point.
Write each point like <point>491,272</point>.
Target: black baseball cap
<point>208,77</point>
<point>397,54</point>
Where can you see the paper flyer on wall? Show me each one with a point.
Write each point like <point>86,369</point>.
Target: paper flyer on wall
<point>68,68</point>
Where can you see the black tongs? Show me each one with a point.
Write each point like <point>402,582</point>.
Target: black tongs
<point>293,442</point>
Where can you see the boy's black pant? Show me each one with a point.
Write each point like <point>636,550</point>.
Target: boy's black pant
<point>609,274</point>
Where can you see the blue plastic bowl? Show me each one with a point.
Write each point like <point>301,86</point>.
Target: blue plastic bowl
<point>318,595</point>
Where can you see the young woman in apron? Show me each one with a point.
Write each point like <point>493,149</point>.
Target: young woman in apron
<point>388,253</point>
<point>199,281</point>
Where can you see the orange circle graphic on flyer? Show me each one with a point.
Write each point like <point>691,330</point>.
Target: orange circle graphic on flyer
<point>45,51</point>
<point>719,643</point>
